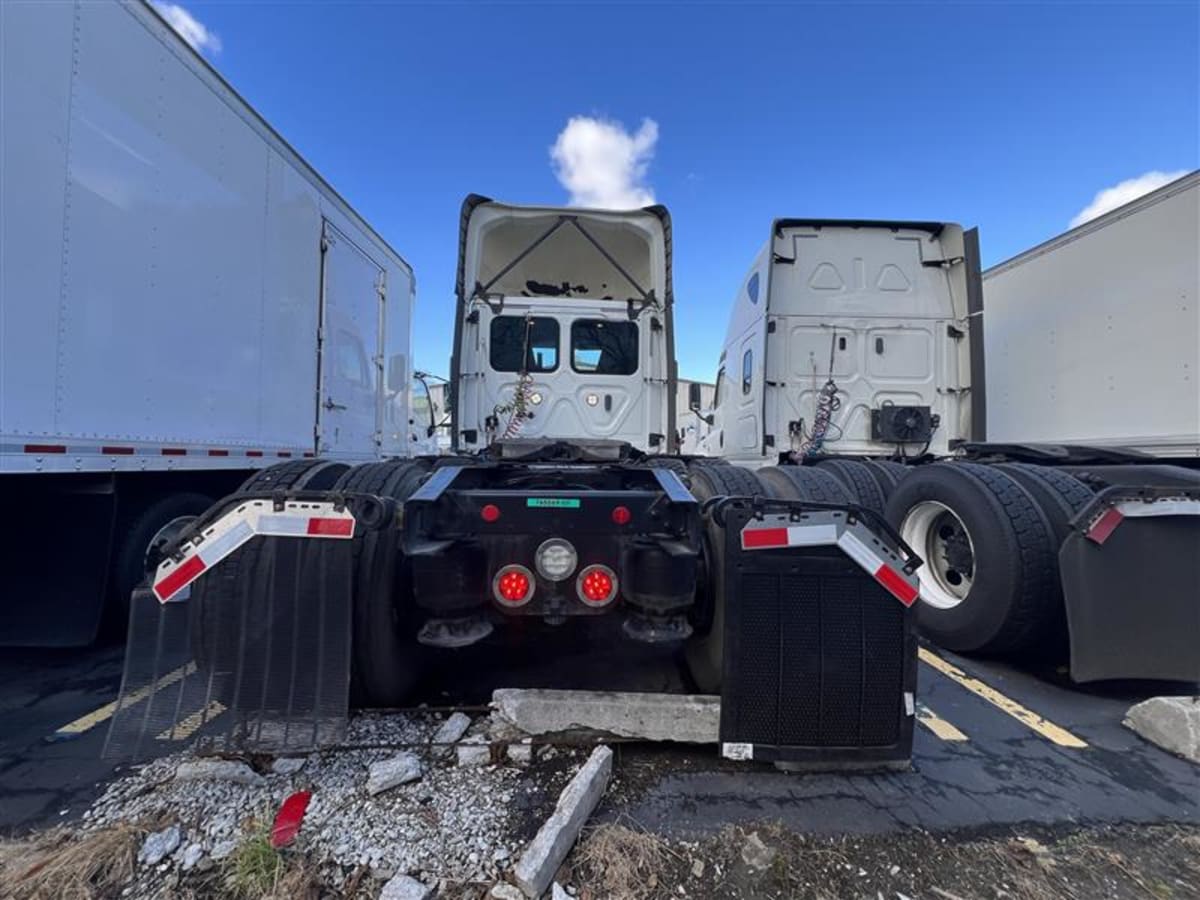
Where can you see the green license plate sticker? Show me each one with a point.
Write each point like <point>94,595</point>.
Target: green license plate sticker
<point>552,502</point>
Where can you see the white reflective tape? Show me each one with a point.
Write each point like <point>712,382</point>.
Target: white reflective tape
<point>739,752</point>
<point>283,525</point>
<point>909,703</point>
<point>812,535</point>
<point>1136,509</point>
<point>217,548</point>
<point>859,552</point>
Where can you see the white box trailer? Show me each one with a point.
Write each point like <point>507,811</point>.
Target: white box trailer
<point>183,300</point>
<point>1094,337</point>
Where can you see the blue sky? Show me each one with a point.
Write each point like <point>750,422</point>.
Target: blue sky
<point>1009,116</point>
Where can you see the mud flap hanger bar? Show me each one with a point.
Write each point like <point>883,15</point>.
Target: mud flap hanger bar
<point>779,524</point>
<point>1109,508</point>
<point>302,514</point>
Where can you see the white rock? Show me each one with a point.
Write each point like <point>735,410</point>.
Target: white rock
<point>558,892</point>
<point>222,849</point>
<point>159,844</point>
<point>1172,723</point>
<point>191,856</point>
<point>452,729</point>
<point>521,754</point>
<point>757,855</point>
<point>535,869</point>
<point>404,887</point>
<point>400,769</point>
<point>217,770</point>
<point>474,751</point>
<point>505,891</point>
<point>288,765</point>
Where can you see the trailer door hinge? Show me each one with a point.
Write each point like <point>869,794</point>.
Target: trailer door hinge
<point>955,333</point>
<point>771,327</point>
<point>941,263</point>
<point>769,440</point>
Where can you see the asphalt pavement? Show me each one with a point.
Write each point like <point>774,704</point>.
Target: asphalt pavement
<point>995,745</point>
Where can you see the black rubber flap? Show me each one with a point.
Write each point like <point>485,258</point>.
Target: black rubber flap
<point>819,660</point>
<point>257,658</point>
<point>1133,602</point>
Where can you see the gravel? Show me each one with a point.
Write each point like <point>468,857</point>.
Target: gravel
<point>454,825</point>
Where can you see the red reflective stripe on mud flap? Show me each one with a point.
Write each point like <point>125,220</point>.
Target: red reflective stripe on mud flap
<point>896,585</point>
<point>331,527</point>
<point>1104,526</point>
<point>764,537</point>
<point>189,570</point>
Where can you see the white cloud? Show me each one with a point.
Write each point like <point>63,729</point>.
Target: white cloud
<point>1120,194</point>
<point>603,165</point>
<point>189,27</point>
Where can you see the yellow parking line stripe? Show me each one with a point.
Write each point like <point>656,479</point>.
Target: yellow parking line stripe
<point>1028,718</point>
<point>938,725</point>
<point>105,712</point>
<point>185,728</point>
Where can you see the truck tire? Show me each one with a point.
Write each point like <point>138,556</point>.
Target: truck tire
<point>704,651</point>
<point>858,480</point>
<point>161,519</point>
<point>989,583</point>
<point>386,659</point>
<point>676,465</point>
<point>215,600</point>
<point>804,483</point>
<point>888,474</point>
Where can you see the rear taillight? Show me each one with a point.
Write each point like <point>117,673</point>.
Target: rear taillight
<point>513,585</point>
<point>490,513</point>
<point>621,515</point>
<point>597,585</point>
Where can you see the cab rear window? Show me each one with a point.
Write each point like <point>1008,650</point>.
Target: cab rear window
<point>536,339</point>
<point>601,347</point>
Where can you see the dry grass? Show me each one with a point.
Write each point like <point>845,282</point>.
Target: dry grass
<point>59,865</point>
<point>617,861</point>
<point>257,871</point>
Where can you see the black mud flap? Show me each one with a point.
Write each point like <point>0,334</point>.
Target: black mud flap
<point>242,642</point>
<point>820,655</point>
<point>1131,583</point>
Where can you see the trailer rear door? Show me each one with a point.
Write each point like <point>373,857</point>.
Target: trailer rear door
<point>350,350</point>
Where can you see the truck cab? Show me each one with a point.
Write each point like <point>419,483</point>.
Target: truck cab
<point>563,327</point>
<point>851,338</point>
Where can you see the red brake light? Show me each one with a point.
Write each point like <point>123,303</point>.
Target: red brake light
<point>490,512</point>
<point>513,585</point>
<point>621,515</point>
<point>597,585</point>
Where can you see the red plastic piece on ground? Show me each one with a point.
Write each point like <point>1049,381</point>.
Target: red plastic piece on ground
<point>288,819</point>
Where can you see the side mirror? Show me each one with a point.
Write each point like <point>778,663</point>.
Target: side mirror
<point>397,375</point>
<point>694,398</point>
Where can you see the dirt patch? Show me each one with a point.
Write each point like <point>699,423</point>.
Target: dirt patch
<point>771,862</point>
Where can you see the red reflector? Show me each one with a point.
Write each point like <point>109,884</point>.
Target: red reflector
<point>117,451</point>
<point>180,577</point>
<point>896,585</point>
<point>490,512</point>
<point>621,515</point>
<point>342,527</point>
<point>45,448</point>
<point>513,586</point>
<point>174,451</point>
<point>765,537</point>
<point>254,453</point>
<point>1104,526</point>
<point>597,585</point>
<point>218,452</point>
<point>308,454</point>
<point>284,454</point>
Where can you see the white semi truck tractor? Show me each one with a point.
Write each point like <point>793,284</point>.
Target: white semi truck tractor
<point>1049,483</point>
<point>184,302</point>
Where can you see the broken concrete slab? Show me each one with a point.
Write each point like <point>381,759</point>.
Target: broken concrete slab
<point>452,729</point>
<point>474,751</point>
<point>217,770</point>
<point>405,887</point>
<point>288,765</point>
<point>609,715</point>
<point>1172,723</point>
<point>389,773</point>
<point>537,866</point>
